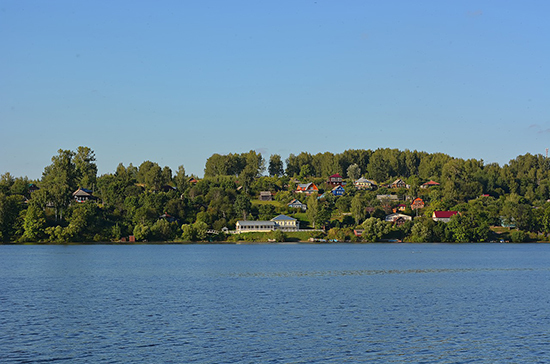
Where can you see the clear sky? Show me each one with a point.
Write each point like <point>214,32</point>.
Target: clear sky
<point>176,81</point>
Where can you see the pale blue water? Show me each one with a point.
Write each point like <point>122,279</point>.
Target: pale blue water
<point>385,303</point>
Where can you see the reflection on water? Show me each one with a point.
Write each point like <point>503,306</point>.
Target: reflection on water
<point>220,304</point>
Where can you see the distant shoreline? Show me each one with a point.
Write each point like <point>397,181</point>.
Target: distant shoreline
<point>259,243</point>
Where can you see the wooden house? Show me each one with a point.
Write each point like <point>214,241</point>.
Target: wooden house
<point>83,195</point>
<point>335,180</point>
<point>399,183</point>
<point>265,196</point>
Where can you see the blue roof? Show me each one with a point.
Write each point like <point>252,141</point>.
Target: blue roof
<point>283,217</point>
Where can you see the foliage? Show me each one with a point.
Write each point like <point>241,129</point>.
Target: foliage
<point>132,199</point>
<point>374,229</point>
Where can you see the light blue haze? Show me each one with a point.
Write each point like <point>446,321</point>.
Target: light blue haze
<point>176,81</point>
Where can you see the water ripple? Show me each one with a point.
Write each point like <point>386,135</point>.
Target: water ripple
<point>373,272</point>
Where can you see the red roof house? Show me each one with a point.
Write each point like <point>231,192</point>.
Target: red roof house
<point>444,216</point>
<point>429,184</point>
<point>335,180</point>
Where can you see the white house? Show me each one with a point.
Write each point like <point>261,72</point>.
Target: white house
<point>396,216</point>
<point>281,222</point>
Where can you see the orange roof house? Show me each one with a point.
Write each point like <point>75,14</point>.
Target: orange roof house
<point>418,203</point>
<point>307,188</point>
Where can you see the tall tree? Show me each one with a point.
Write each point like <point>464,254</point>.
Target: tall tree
<point>10,206</point>
<point>86,169</point>
<point>275,165</point>
<point>59,181</point>
<point>358,208</point>
<point>243,205</point>
<point>181,179</point>
<point>354,171</point>
<point>312,209</point>
<point>34,223</point>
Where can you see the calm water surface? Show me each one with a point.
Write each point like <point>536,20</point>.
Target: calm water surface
<point>276,303</point>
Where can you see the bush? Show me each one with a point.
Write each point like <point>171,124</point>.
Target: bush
<point>518,236</point>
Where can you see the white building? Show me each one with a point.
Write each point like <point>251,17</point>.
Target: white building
<point>281,222</point>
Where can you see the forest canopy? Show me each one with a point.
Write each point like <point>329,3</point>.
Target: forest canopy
<point>70,202</point>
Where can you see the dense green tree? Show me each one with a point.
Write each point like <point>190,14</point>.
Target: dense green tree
<point>34,224</point>
<point>374,229</point>
<point>292,166</point>
<point>267,212</point>
<point>85,168</point>
<point>358,208</point>
<point>150,174</point>
<point>181,180</point>
<point>242,205</point>
<point>59,181</point>
<point>354,171</point>
<point>275,165</point>
<point>10,206</point>
<point>313,209</point>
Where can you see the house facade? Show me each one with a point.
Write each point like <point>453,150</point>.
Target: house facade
<point>399,183</point>
<point>418,203</point>
<point>335,180</point>
<point>281,222</point>
<point>254,226</point>
<point>364,184</point>
<point>338,191</point>
<point>286,223</point>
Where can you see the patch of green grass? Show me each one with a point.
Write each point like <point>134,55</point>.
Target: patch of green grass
<point>262,237</point>
<point>274,203</point>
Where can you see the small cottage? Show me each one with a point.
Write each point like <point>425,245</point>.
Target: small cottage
<point>417,204</point>
<point>338,191</point>
<point>83,195</point>
<point>296,204</point>
<point>265,196</point>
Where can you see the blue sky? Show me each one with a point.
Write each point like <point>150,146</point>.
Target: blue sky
<point>176,81</point>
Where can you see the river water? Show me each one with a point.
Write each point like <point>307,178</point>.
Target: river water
<point>275,303</point>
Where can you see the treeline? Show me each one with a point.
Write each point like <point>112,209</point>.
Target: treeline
<point>152,202</point>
